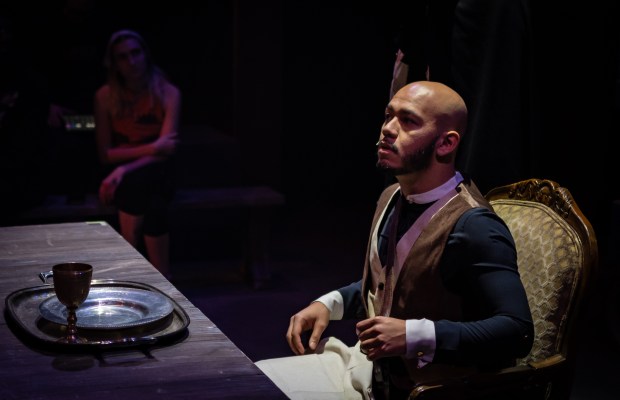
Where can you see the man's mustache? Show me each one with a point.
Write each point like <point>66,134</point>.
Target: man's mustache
<point>391,146</point>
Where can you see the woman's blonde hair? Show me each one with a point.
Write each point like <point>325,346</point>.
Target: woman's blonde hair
<point>155,79</point>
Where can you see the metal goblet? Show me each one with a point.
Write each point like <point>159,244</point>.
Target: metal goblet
<point>72,284</point>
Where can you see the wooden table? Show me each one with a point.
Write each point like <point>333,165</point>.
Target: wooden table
<point>203,365</point>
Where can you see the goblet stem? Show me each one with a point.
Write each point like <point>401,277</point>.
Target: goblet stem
<point>72,336</point>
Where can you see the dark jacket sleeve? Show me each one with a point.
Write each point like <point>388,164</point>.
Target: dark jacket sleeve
<point>352,296</point>
<point>480,265</point>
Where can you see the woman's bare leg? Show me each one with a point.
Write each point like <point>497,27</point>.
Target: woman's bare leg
<point>157,247</point>
<point>131,227</point>
<point>158,251</point>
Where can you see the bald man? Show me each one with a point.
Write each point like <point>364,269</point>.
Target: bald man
<point>440,293</point>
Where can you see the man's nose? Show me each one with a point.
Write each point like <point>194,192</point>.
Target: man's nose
<point>390,128</point>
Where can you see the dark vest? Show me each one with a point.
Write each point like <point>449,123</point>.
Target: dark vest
<point>419,291</point>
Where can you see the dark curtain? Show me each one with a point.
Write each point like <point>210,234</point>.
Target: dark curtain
<point>539,79</point>
<point>493,71</point>
<point>539,82</point>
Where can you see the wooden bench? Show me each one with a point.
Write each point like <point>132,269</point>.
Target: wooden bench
<point>259,201</point>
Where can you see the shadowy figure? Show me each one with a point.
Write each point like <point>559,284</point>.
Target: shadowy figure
<point>66,42</point>
<point>136,118</point>
<point>23,140</point>
<point>423,47</point>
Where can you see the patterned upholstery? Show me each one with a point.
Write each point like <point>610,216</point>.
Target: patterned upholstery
<point>549,255</point>
<point>557,256</point>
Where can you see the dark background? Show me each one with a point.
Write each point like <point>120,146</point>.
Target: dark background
<point>291,95</point>
<point>301,86</point>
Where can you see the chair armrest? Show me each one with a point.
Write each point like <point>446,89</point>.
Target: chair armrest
<point>531,378</point>
<point>547,362</point>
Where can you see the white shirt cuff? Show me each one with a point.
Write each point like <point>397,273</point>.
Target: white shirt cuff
<point>421,344</point>
<point>334,303</point>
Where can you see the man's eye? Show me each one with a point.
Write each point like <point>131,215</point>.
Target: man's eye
<point>387,117</point>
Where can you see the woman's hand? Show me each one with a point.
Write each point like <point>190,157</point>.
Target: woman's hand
<point>109,185</point>
<point>55,115</point>
<point>166,145</point>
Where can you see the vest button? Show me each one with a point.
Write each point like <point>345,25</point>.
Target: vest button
<point>381,286</point>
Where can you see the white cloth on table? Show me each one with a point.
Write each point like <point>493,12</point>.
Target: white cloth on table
<point>335,372</point>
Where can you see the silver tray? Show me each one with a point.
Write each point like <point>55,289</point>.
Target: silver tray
<point>25,320</point>
<point>111,308</point>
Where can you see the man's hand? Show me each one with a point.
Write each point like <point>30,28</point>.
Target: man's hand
<point>315,317</point>
<point>382,337</point>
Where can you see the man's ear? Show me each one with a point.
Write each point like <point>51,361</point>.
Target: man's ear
<point>447,143</point>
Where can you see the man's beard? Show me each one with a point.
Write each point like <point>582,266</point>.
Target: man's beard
<point>417,161</point>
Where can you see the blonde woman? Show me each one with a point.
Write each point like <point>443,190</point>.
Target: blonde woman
<point>136,118</point>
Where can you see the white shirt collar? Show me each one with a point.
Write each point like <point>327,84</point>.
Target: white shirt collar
<point>438,192</point>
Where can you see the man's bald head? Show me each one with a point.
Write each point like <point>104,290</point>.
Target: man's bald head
<point>440,101</point>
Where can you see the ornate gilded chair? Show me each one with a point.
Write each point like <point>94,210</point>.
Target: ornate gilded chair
<point>557,255</point>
